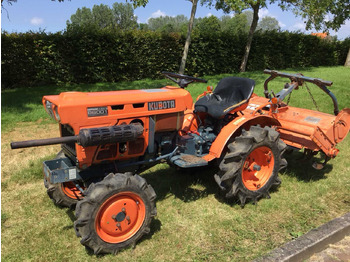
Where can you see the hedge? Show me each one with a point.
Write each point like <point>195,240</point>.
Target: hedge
<point>41,58</point>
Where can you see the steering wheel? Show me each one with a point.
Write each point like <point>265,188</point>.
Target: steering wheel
<point>182,80</point>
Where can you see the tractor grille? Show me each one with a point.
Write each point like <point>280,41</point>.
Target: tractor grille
<point>68,148</point>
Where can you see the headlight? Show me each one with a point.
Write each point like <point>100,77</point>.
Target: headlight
<point>48,107</point>
<point>57,116</point>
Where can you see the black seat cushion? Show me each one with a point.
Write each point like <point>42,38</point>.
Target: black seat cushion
<point>230,93</point>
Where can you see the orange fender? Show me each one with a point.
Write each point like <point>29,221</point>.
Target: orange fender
<point>234,128</point>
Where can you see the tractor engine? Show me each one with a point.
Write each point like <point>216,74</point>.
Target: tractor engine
<point>198,142</point>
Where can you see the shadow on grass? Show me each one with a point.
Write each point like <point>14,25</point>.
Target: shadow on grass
<point>70,214</point>
<point>303,170</point>
<point>186,185</point>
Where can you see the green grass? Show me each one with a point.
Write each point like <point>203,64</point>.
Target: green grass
<point>194,223</point>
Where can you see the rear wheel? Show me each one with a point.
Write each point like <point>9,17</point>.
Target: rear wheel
<point>250,167</point>
<point>115,213</point>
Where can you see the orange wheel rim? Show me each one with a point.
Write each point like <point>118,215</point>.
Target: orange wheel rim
<point>258,168</point>
<point>120,217</point>
<point>71,191</point>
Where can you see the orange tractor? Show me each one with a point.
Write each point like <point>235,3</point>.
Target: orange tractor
<point>108,137</point>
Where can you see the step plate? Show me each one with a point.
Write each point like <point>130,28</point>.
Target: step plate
<point>187,161</point>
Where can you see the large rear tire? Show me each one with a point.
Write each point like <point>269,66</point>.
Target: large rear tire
<point>115,213</point>
<point>251,165</point>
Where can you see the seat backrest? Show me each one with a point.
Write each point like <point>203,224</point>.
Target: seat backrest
<point>231,93</point>
<point>235,89</point>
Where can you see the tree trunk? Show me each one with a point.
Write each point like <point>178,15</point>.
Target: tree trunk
<point>188,38</point>
<point>347,61</point>
<point>253,26</point>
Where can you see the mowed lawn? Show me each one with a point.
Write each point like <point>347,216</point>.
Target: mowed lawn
<point>194,223</point>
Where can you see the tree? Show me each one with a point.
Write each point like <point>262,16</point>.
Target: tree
<point>102,16</point>
<point>238,6</point>
<point>124,17</point>
<point>189,31</point>
<point>167,23</point>
<point>319,14</point>
<point>322,15</point>
<point>120,17</point>
<point>238,24</point>
<point>208,25</point>
<point>82,19</point>
<point>268,23</point>
<point>188,38</point>
<point>347,61</point>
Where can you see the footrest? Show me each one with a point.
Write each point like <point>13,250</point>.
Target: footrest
<point>186,161</point>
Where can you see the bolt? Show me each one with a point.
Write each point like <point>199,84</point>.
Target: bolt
<point>123,209</point>
<point>118,224</point>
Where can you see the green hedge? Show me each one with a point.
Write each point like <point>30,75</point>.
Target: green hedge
<point>40,58</point>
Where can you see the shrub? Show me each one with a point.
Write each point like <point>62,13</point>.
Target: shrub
<point>110,56</point>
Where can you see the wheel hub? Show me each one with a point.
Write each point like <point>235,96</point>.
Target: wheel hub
<point>257,168</point>
<point>119,217</point>
<point>113,226</point>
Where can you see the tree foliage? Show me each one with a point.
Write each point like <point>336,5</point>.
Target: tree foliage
<point>268,23</point>
<point>119,17</point>
<point>124,17</point>
<point>208,25</point>
<point>322,15</point>
<point>168,24</point>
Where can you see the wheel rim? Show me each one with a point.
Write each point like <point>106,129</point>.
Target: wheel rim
<point>71,190</point>
<point>258,168</point>
<point>120,217</point>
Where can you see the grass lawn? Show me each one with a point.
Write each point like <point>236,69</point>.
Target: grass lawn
<point>193,222</point>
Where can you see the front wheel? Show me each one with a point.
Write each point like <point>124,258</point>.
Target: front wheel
<point>250,167</point>
<point>115,213</point>
<point>66,194</point>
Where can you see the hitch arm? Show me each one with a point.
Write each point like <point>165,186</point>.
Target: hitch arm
<point>322,84</point>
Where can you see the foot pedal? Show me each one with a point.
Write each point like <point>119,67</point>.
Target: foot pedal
<point>186,161</point>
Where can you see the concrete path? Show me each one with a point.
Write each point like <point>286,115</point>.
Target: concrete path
<point>329,242</point>
<point>339,251</point>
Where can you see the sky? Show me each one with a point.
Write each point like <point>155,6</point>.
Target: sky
<point>51,16</point>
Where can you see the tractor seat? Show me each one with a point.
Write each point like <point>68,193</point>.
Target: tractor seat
<point>230,93</point>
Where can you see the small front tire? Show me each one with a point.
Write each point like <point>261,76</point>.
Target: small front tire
<point>115,213</point>
<point>65,194</point>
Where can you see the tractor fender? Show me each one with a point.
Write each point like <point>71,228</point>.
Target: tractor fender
<point>234,129</point>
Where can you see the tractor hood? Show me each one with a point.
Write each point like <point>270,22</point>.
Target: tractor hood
<point>79,109</point>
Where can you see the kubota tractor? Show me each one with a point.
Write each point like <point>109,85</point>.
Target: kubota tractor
<point>108,137</point>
